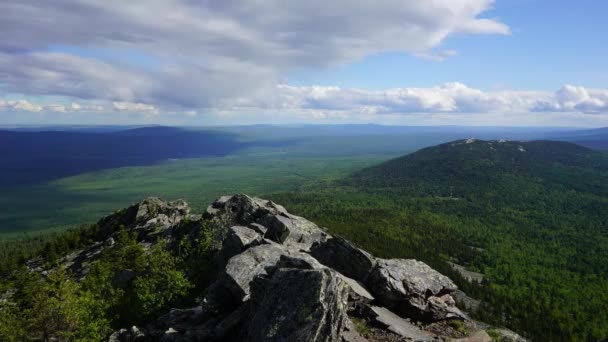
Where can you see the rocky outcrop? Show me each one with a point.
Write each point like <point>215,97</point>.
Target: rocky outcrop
<point>413,289</point>
<point>275,222</point>
<point>149,220</point>
<point>282,278</point>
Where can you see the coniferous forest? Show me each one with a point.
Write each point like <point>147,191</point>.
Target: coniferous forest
<point>532,217</point>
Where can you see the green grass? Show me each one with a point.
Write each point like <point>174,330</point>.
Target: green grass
<point>86,197</point>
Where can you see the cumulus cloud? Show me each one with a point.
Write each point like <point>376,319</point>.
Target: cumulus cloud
<point>210,52</point>
<point>321,102</point>
<point>575,99</point>
<point>20,105</point>
<point>447,98</point>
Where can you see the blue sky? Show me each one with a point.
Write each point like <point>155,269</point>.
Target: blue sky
<point>473,62</point>
<point>552,43</point>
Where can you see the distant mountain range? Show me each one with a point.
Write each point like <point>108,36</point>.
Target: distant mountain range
<point>35,154</point>
<point>32,156</point>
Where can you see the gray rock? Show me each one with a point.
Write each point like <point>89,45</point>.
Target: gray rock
<point>298,305</point>
<point>153,208</point>
<point>281,227</point>
<point>292,230</point>
<point>239,239</point>
<point>149,218</point>
<point>406,285</point>
<point>110,242</point>
<point>344,257</point>
<point>233,286</point>
<point>306,262</point>
<point>357,289</point>
<point>299,260</point>
<point>127,335</point>
<point>399,326</point>
<point>258,228</point>
<point>443,307</point>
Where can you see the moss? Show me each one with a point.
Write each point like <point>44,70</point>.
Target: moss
<point>361,327</point>
<point>460,326</point>
<point>494,335</point>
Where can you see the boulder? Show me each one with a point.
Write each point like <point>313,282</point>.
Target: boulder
<point>127,335</point>
<point>406,285</point>
<point>239,239</point>
<point>344,257</point>
<point>298,305</point>
<point>233,285</point>
<point>258,228</point>
<point>442,308</point>
<point>278,225</point>
<point>291,230</point>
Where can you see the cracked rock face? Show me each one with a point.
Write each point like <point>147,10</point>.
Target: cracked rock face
<point>298,305</point>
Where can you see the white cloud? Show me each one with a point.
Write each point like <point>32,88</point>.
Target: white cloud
<point>58,108</point>
<point>25,106</point>
<point>134,107</point>
<point>183,54</point>
<point>575,99</point>
<point>439,56</point>
<point>325,103</point>
<point>447,98</point>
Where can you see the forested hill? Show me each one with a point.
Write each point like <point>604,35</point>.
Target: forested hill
<point>532,217</point>
<point>465,167</point>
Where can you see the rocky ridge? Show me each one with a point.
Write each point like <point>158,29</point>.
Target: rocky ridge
<point>281,277</point>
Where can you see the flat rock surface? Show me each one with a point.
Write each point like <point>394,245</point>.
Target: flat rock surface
<point>400,326</point>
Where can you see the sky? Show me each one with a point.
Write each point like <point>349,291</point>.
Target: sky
<point>225,62</point>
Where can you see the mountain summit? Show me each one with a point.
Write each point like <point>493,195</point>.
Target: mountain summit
<point>271,275</point>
